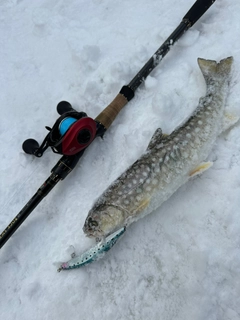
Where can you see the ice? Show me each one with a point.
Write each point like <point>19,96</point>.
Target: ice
<point>182,261</point>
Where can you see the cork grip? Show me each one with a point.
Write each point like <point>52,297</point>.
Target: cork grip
<point>108,115</point>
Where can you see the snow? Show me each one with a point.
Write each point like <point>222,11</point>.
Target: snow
<point>180,262</point>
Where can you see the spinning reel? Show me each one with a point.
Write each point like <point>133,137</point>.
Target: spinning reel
<point>72,132</point>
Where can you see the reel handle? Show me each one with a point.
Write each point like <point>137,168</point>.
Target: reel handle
<point>63,107</point>
<point>30,146</point>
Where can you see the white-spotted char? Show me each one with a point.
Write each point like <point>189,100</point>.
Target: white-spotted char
<point>168,162</point>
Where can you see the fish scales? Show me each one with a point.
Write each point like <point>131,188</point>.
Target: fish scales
<point>168,161</point>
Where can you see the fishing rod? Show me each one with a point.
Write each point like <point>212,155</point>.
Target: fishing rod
<point>74,131</point>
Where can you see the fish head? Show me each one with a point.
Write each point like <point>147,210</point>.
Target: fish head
<point>102,220</point>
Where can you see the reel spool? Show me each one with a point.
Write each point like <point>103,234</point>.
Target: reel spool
<point>72,132</point>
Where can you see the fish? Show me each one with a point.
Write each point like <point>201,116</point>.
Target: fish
<point>95,253</point>
<point>169,161</point>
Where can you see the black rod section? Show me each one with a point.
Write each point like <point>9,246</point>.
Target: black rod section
<point>28,208</point>
<point>59,172</point>
<point>195,12</point>
<point>158,56</point>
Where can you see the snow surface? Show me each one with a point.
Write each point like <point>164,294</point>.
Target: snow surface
<point>182,261</point>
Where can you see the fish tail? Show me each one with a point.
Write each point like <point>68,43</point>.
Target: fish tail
<point>213,71</point>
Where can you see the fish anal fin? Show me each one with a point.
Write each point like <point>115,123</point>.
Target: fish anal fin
<point>201,168</point>
<point>229,120</point>
<point>156,138</point>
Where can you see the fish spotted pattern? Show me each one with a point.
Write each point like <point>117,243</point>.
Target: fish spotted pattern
<point>168,162</point>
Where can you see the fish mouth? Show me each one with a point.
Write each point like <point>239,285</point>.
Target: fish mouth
<point>95,227</point>
<point>93,233</point>
<point>97,236</point>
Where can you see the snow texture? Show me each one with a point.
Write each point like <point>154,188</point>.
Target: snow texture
<point>182,261</point>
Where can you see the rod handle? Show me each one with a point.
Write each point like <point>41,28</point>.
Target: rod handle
<point>197,10</point>
<point>108,115</point>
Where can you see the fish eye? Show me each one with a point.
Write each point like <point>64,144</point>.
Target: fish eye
<point>92,223</point>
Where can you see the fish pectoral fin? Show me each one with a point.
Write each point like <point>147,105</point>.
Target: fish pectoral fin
<point>229,120</point>
<point>156,138</point>
<point>143,204</point>
<point>201,168</point>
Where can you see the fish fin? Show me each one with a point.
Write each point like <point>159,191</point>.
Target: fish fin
<point>156,138</point>
<point>229,120</point>
<point>201,168</point>
<point>212,70</point>
<point>143,204</point>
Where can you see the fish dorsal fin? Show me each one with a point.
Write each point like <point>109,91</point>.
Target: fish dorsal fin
<point>157,137</point>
